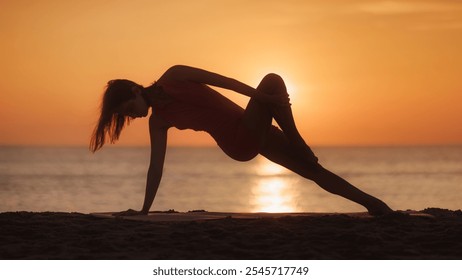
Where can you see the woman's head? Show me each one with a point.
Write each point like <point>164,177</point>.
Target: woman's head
<point>121,102</point>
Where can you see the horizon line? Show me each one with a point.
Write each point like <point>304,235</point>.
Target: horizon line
<point>216,146</point>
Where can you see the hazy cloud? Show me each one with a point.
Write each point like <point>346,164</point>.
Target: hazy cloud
<point>421,15</point>
<point>408,7</point>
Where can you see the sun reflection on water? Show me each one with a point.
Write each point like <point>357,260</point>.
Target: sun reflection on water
<point>273,192</point>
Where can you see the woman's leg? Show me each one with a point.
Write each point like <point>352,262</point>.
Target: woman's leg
<point>288,148</point>
<point>278,149</point>
<point>258,116</point>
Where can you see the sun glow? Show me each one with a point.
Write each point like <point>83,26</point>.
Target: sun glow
<point>286,72</point>
<point>273,195</point>
<point>273,192</point>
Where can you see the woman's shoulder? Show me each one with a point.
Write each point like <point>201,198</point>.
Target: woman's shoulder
<point>169,82</point>
<point>186,75</point>
<point>173,74</point>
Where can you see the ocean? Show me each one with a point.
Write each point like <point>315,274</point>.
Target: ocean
<point>74,180</point>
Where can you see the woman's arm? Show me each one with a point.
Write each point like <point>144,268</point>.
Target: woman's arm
<point>158,136</point>
<point>187,73</point>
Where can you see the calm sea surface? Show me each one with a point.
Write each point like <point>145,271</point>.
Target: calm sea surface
<point>73,179</point>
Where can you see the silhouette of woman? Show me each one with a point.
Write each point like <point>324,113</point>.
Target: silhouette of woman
<point>181,98</point>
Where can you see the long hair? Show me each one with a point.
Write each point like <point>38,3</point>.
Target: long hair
<point>111,123</point>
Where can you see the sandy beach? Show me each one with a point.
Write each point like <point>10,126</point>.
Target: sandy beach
<point>51,235</point>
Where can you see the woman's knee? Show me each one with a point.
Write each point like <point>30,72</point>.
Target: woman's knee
<point>272,77</point>
<point>272,84</point>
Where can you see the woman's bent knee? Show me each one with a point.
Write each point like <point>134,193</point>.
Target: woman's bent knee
<point>272,77</point>
<point>272,84</point>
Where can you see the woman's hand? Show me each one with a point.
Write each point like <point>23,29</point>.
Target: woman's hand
<point>129,212</point>
<point>280,100</point>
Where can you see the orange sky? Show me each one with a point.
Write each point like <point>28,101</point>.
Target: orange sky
<point>360,72</point>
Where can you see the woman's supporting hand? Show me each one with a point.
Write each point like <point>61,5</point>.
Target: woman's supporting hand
<point>278,100</point>
<point>129,212</point>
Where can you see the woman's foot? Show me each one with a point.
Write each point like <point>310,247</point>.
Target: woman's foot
<point>379,208</point>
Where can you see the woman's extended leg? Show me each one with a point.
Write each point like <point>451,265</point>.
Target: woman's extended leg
<point>288,148</point>
<point>278,149</point>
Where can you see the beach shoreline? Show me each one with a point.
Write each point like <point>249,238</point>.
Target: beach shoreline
<point>56,235</point>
